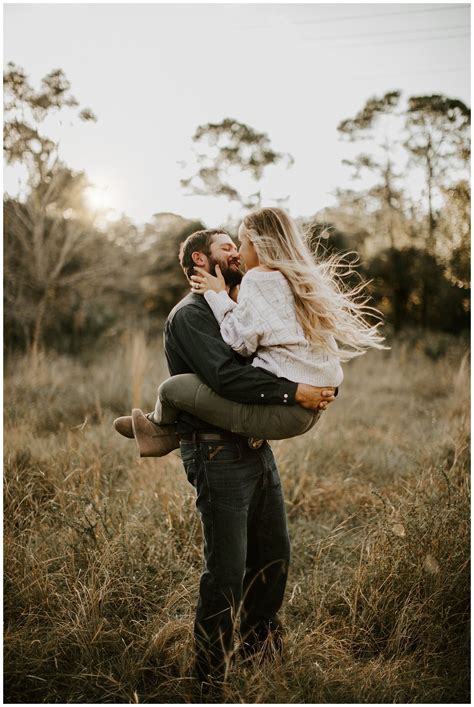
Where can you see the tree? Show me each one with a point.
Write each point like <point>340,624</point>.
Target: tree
<point>438,142</point>
<point>455,226</point>
<point>57,267</point>
<point>353,217</point>
<point>231,149</point>
<point>422,258</point>
<point>374,124</point>
<point>25,109</point>
<point>163,281</point>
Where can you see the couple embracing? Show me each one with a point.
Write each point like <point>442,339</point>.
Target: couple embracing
<point>252,358</point>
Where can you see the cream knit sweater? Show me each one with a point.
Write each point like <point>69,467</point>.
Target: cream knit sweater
<point>264,321</point>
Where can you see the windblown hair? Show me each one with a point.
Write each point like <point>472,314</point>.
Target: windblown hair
<point>199,240</point>
<point>325,304</point>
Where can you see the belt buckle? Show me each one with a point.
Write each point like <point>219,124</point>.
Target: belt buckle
<point>255,443</point>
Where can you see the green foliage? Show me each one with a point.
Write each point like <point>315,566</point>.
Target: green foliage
<point>417,257</point>
<point>231,147</point>
<point>25,108</point>
<point>373,110</point>
<point>60,273</point>
<point>380,161</point>
<point>410,286</point>
<point>70,284</point>
<point>163,280</point>
<point>438,142</point>
<point>438,108</point>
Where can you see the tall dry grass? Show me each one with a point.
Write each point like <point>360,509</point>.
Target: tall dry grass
<point>102,550</point>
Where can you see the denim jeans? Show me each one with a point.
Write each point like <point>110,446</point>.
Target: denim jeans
<point>246,549</point>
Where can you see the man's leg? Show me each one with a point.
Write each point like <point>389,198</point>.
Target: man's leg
<point>220,592</point>
<point>227,479</point>
<point>267,563</point>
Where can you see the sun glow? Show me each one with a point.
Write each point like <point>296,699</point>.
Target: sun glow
<point>101,201</point>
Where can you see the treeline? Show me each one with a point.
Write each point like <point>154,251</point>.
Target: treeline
<point>416,250</point>
<point>70,283</point>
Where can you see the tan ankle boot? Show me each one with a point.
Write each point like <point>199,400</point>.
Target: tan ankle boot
<point>123,425</point>
<point>153,440</point>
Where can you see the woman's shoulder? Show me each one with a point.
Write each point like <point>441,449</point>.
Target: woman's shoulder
<point>267,280</point>
<point>264,268</point>
<point>262,273</point>
<point>265,286</point>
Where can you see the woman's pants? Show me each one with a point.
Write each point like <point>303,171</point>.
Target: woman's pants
<point>188,393</point>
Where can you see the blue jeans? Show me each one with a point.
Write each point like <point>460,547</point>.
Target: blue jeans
<point>246,549</point>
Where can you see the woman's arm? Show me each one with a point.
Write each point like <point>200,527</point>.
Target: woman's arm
<point>240,324</point>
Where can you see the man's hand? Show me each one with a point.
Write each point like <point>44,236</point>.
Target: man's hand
<point>313,397</point>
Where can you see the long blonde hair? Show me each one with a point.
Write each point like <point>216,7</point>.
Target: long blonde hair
<point>325,304</point>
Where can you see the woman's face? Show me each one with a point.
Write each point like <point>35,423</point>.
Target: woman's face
<point>247,250</point>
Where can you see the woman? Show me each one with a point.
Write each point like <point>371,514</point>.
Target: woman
<point>293,315</point>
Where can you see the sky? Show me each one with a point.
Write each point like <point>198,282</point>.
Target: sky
<point>153,72</point>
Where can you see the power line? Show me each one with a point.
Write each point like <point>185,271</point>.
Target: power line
<point>363,17</point>
<point>380,34</point>
<point>382,14</point>
<point>402,41</point>
<point>411,73</point>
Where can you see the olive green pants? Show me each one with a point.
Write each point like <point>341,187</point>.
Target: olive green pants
<point>188,393</point>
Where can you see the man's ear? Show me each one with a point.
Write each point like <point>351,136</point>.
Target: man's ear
<point>199,259</point>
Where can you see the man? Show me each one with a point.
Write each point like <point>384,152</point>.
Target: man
<point>239,497</point>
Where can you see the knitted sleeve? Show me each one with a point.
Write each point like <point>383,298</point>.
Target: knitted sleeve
<point>240,322</point>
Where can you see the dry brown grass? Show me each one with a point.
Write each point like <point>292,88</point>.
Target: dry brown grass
<point>102,551</point>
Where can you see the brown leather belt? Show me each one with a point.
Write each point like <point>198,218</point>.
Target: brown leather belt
<point>222,437</point>
<point>212,437</point>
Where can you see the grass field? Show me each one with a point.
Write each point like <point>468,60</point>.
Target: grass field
<point>102,550</point>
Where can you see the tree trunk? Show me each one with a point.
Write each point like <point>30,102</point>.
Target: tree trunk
<point>38,330</point>
<point>430,240</point>
<point>389,201</point>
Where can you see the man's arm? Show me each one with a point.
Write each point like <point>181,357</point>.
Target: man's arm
<point>197,337</point>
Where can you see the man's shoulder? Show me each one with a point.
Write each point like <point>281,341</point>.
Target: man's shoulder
<point>189,305</point>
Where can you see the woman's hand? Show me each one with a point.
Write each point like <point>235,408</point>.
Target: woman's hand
<point>204,281</point>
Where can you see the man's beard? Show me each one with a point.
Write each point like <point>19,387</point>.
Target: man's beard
<point>232,275</point>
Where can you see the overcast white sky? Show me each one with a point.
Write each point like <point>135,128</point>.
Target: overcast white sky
<point>153,72</point>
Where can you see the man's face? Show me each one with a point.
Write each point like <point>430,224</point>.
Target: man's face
<point>223,252</point>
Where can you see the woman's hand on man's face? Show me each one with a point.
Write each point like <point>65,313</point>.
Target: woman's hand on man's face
<point>204,281</point>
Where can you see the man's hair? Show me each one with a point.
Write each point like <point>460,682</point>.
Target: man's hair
<point>198,241</point>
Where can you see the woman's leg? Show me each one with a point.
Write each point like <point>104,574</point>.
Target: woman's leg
<point>188,393</point>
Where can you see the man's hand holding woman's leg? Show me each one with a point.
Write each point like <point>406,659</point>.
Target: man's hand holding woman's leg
<point>314,397</point>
